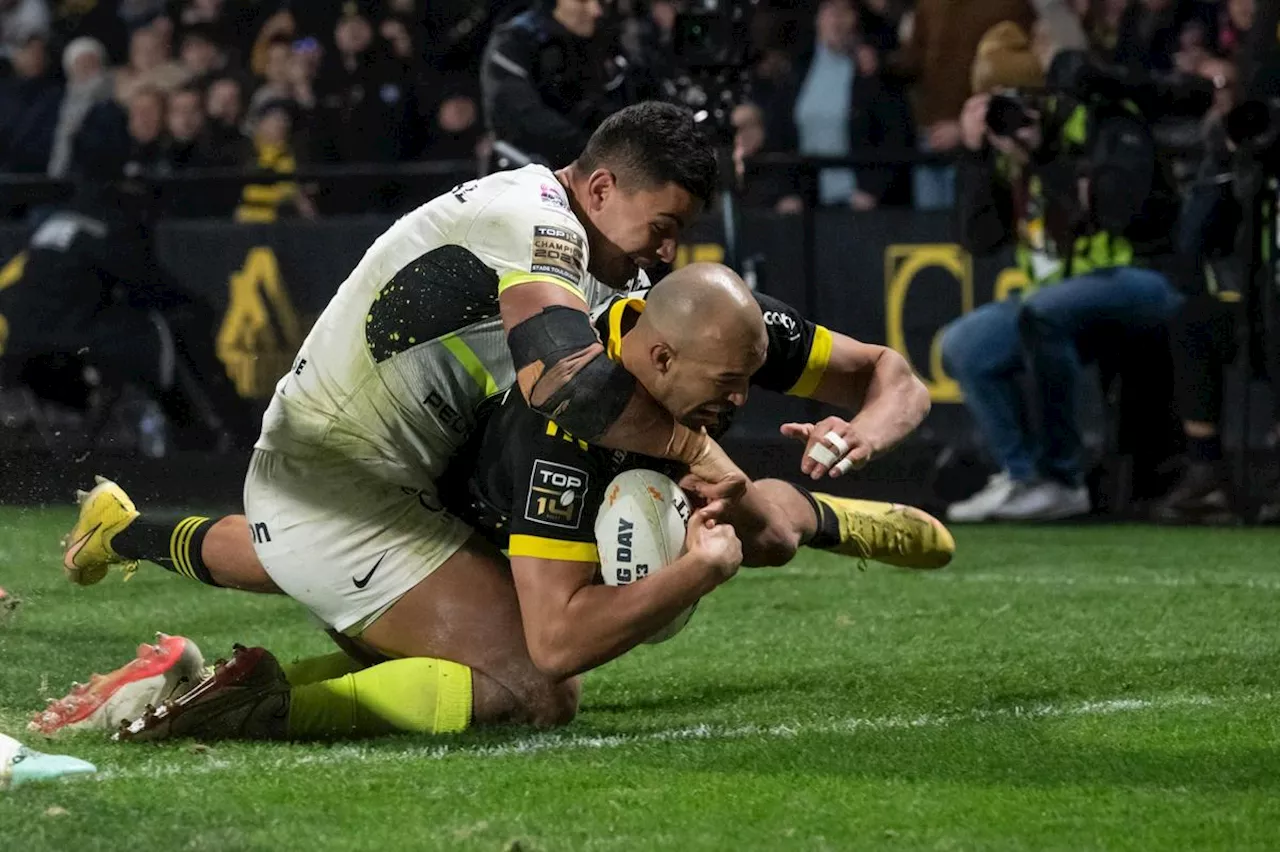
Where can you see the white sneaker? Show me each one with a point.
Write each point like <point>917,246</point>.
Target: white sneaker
<point>980,506</point>
<point>1043,500</point>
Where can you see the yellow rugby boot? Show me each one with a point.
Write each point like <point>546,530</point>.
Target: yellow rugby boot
<point>86,550</point>
<point>891,533</point>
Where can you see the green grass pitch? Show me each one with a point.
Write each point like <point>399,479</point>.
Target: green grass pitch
<point>1073,688</point>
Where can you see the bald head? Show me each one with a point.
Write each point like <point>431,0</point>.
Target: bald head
<point>698,342</point>
<point>704,306</point>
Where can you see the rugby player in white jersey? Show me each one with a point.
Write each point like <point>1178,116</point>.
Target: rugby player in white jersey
<point>711,339</point>
<point>480,289</point>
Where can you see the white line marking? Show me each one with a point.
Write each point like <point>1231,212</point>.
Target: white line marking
<point>354,753</point>
<point>1220,581</point>
<point>1254,582</point>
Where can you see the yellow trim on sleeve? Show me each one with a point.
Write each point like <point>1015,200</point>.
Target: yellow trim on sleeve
<point>550,548</point>
<point>613,346</point>
<point>516,278</point>
<point>470,362</point>
<point>819,357</point>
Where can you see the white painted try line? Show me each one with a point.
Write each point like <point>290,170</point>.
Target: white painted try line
<point>1253,583</point>
<point>559,742</point>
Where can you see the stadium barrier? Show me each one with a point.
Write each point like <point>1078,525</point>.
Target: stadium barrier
<point>893,276</point>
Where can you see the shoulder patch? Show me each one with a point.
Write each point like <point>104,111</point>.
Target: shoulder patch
<point>553,197</point>
<point>557,493</point>
<point>558,252</point>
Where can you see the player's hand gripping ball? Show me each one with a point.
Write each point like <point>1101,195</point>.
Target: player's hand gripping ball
<point>640,530</point>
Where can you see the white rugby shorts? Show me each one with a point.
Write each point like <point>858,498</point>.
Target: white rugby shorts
<point>342,543</point>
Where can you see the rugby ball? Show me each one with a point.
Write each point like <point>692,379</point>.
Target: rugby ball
<point>640,530</point>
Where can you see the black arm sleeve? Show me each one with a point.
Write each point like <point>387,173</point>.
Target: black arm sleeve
<point>791,339</point>
<point>984,204</point>
<point>514,110</point>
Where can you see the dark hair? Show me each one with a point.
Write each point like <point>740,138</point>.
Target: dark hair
<point>654,143</point>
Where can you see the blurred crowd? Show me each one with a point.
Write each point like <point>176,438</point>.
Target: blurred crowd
<point>168,85</point>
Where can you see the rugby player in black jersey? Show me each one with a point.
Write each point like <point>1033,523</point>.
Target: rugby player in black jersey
<point>697,345</point>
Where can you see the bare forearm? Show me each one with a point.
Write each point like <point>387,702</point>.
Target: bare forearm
<point>600,623</point>
<point>893,403</point>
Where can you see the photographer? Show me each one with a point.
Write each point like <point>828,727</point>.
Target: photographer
<point>548,78</point>
<point>1077,187</point>
<point>91,291</point>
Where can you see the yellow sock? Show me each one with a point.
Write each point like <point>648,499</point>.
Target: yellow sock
<point>315,669</point>
<point>416,694</point>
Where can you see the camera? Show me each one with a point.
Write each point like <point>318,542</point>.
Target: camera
<point>1076,78</point>
<point>1009,113</point>
<point>710,41</point>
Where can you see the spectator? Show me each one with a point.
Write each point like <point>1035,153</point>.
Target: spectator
<point>190,145</point>
<point>281,26</point>
<point>838,105</point>
<point>187,146</point>
<point>937,57</point>
<point>211,18</point>
<point>1101,21</point>
<point>146,134</point>
<point>150,66</point>
<point>201,54</point>
<point>396,33</point>
<point>544,80</point>
<point>276,75</point>
<point>21,21</point>
<point>363,97</point>
<point>224,111</point>
<point>1205,337</point>
<point>454,129</point>
<point>649,39</point>
<point>879,21</point>
<point>769,188</point>
<point>261,203</point>
<point>28,111</point>
<point>84,63</point>
<point>304,66</point>
<point>1234,22</point>
<point>1151,31</point>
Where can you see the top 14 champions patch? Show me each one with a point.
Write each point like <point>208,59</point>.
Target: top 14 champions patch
<point>558,252</point>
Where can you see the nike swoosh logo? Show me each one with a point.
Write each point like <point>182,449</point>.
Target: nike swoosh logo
<point>80,542</point>
<point>361,583</point>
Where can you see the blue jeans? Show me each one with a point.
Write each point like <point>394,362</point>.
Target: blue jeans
<point>933,187</point>
<point>986,350</point>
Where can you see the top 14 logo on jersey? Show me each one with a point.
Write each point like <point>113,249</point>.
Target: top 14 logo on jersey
<point>558,252</point>
<point>557,493</point>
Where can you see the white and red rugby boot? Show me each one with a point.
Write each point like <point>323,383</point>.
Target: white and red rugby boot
<point>160,672</point>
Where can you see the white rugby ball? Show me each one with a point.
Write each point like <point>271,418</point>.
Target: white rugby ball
<point>640,530</point>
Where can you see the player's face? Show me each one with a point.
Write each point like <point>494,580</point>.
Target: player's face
<point>634,229</point>
<point>708,378</point>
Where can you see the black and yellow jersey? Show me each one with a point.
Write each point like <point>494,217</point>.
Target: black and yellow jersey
<point>534,489</point>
